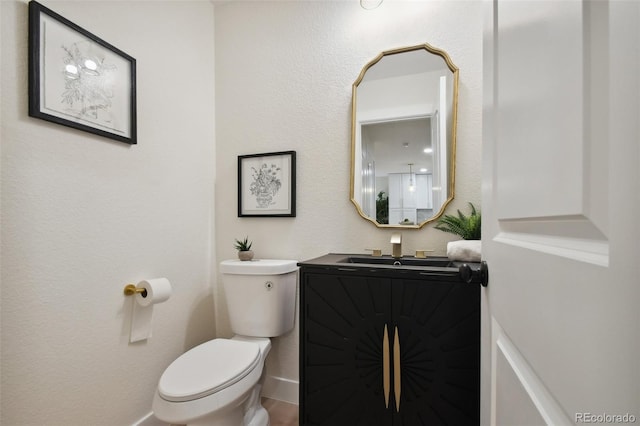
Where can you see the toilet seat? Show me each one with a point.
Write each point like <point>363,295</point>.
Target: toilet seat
<point>207,369</point>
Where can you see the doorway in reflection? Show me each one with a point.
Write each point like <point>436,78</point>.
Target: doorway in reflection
<point>402,173</point>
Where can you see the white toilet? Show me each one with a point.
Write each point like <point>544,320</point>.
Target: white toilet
<point>218,382</point>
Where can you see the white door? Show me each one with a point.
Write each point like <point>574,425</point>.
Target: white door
<point>561,207</point>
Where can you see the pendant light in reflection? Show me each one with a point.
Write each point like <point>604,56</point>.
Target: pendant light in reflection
<point>412,186</point>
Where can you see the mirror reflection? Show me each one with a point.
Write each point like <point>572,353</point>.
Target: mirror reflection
<point>403,137</point>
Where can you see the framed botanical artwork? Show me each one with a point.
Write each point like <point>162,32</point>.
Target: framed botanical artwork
<point>267,184</point>
<point>79,80</point>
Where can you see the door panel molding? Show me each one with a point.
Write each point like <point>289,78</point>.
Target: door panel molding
<point>587,251</point>
<point>541,167</point>
<point>573,237</point>
<point>553,117</point>
<point>538,398</point>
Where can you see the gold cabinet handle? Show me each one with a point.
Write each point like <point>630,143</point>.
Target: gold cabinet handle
<point>396,369</point>
<point>386,379</point>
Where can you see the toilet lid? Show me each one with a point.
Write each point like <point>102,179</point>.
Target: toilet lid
<point>208,368</point>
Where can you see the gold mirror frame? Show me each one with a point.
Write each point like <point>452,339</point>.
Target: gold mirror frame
<point>452,162</point>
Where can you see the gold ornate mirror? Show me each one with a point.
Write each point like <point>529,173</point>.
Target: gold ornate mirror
<point>403,137</point>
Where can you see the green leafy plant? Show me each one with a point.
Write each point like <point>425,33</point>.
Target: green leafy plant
<point>382,208</point>
<point>467,227</point>
<point>244,245</point>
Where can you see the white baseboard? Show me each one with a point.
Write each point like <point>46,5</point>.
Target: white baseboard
<point>280,389</point>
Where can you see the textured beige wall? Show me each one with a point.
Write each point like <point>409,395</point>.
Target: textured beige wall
<point>83,215</point>
<point>284,72</point>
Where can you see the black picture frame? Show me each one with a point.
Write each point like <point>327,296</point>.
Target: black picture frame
<point>78,80</point>
<point>267,184</point>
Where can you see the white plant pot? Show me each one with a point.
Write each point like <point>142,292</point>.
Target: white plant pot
<point>245,255</point>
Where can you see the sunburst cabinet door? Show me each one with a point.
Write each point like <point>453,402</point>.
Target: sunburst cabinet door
<point>438,325</point>
<point>341,353</point>
<point>382,351</point>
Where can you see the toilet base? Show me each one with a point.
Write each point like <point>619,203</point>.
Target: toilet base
<point>233,418</point>
<point>261,418</point>
<point>249,413</point>
<point>255,413</point>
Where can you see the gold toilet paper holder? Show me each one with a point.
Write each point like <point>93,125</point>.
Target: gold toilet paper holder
<point>131,290</point>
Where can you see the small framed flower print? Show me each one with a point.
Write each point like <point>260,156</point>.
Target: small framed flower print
<point>267,184</point>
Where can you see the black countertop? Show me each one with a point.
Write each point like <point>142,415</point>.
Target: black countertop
<point>470,272</point>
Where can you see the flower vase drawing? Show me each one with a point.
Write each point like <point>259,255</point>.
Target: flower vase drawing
<point>264,199</point>
<point>265,184</point>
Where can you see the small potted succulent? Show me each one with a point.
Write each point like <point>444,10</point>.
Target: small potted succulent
<point>244,249</point>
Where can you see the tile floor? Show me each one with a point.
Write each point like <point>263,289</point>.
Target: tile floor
<point>281,413</point>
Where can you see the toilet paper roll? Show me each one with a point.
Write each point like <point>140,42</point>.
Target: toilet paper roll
<point>158,291</point>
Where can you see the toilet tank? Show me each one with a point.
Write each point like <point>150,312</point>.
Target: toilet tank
<point>261,295</point>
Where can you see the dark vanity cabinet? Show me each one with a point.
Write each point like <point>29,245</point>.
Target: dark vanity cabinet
<point>388,346</point>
